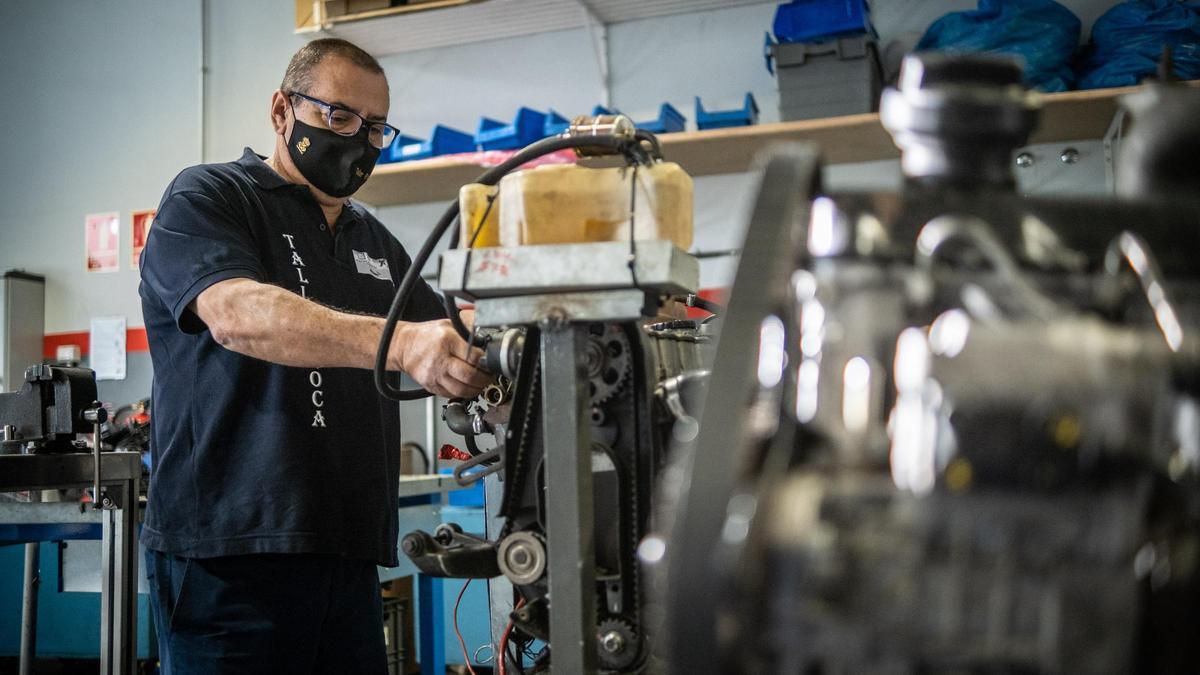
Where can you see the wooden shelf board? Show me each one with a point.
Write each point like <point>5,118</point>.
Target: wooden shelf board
<point>427,180</point>
<point>1067,116</point>
<point>406,28</point>
<point>308,20</point>
<point>399,10</point>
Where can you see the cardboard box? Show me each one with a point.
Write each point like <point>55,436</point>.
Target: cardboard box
<point>398,629</point>
<point>359,6</point>
<point>335,8</point>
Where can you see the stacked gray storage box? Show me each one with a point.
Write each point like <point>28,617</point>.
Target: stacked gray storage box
<point>22,326</point>
<point>826,79</point>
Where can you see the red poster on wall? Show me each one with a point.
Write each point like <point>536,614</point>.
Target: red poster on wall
<point>102,232</point>
<point>141,222</point>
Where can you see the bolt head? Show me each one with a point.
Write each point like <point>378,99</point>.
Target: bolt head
<point>411,546</point>
<point>612,642</point>
<point>1024,160</point>
<point>1069,156</point>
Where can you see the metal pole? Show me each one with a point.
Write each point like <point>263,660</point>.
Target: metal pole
<point>570,535</point>
<point>431,447</point>
<point>29,599</point>
<point>500,589</point>
<point>107,629</point>
<point>118,581</point>
<point>125,572</point>
<point>29,607</point>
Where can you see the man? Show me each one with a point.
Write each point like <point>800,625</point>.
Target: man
<point>274,485</point>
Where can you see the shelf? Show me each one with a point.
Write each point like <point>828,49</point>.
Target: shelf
<point>313,15</point>
<point>441,23</point>
<point>1068,116</point>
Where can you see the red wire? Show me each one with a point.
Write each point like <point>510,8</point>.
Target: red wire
<point>504,639</point>
<point>461,642</point>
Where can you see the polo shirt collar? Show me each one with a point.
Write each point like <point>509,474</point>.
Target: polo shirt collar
<point>348,216</point>
<point>255,166</point>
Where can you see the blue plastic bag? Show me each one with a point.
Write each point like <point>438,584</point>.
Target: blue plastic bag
<point>1041,32</point>
<point>1127,43</point>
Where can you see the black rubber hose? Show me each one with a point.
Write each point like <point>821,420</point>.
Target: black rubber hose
<point>398,304</point>
<point>413,275</point>
<point>472,445</point>
<point>655,146</point>
<point>705,304</point>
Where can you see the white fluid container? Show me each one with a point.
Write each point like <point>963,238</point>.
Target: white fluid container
<point>564,204</point>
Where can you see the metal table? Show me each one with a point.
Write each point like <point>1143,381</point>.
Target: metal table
<point>420,497</point>
<point>120,473</point>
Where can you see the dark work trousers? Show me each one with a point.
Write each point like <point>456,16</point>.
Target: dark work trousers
<point>266,613</point>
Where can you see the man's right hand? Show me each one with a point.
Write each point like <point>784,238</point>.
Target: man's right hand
<point>433,354</point>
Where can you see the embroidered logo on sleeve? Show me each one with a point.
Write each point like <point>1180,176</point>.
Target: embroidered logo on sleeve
<point>376,267</point>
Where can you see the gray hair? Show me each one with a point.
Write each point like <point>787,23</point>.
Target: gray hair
<point>299,74</point>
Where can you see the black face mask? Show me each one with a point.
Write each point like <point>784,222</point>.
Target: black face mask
<point>334,164</point>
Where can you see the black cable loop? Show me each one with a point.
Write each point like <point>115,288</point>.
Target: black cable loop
<point>655,146</point>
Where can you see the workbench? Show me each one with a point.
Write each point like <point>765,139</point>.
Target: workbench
<point>80,568</point>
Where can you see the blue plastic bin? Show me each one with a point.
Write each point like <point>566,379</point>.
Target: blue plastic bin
<point>525,128</point>
<point>720,119</point>
<point>669,120</point>
<point>556,124</point>
<point>443,140</point>
<point>805,20</point>
<point>391,153</point>
<point>472,496</point>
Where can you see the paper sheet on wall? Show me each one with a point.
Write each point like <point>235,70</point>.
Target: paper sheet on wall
<point>107,348</point>
<point>102,232</point>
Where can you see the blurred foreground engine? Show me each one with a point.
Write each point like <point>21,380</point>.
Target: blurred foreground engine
<point>951,430</point>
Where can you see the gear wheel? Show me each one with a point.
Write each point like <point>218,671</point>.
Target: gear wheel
<point>616,644</point>
<point>609,361</point>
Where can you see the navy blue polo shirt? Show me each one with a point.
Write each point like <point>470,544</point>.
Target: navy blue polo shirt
<point>250,456</point>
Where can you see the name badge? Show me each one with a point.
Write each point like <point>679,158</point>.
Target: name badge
<point>376,267</point>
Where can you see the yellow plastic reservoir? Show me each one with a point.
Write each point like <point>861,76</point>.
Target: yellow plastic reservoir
<point>566,204</point>
<point>473,204</point>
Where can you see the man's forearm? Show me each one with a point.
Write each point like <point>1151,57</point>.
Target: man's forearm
<point>276,325</point>
<point>272,324</point>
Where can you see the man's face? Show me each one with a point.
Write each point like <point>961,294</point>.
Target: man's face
<point>341,83</point>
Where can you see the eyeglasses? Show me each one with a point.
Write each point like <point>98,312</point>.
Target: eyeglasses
<point>348,123</point>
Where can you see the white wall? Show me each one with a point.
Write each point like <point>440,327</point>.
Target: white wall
<point>100,111</point>
<point>103,109</point>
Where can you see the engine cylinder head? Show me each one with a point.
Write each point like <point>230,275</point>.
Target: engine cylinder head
<point>958,118</point>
